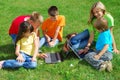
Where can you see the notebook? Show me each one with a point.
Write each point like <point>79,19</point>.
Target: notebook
<point>55,57</point>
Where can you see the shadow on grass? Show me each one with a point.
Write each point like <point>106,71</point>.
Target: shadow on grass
<point>7,51</point>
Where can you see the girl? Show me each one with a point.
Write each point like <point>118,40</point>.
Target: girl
<point>35,19</point>
<point>100,59</point>
<point>88,37</point>
<point>26,49</point>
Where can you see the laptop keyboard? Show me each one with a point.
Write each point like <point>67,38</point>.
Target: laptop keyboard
<point>53,57</point>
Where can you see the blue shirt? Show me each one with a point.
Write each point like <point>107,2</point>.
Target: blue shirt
<point>103,39</point>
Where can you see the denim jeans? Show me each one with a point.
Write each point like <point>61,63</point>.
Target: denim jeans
<point>15,64</point>
<point>80,40</point>
<point>44,42</point>
<point>96,63</point>
<point>13,36</point>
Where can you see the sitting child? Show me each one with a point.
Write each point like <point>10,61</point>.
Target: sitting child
<point>26,49</point>
<point>100,59</point>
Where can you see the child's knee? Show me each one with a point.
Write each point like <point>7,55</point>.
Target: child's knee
<point>33,65</point>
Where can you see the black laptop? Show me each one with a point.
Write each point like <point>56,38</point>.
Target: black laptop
<point>55,57</point>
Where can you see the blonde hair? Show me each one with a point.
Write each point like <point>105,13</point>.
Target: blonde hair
<point>35,16</point>
<point>101,24</point>
<point>98,5</point>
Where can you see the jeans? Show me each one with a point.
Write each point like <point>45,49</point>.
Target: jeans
<point>15,64</point>
<point>80,40</point>
<point>96,63</point>
<point>44,42</point>
<point>13,36</point>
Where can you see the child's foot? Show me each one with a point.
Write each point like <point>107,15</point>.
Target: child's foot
<point>103,66</point>
<point>109,66</point>
<point>1,63</point>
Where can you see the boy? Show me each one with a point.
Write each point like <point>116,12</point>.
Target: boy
<point>52,28</point>
<point>100,59</point>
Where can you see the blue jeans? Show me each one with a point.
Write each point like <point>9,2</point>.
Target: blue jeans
<point>15,64</point>
<point>80,40</point>
<point>89,57</point>
<point>13,36</point>
<point>44,42</point>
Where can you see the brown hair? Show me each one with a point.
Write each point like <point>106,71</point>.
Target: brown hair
<point>98,5</point>
<point>35,16</point>
<point>53,11</point>
<point>101,24</point>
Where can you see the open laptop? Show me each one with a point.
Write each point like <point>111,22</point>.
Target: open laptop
<point>55,57</point>
<point>80,56</point>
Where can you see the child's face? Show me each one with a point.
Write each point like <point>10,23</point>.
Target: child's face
<point>36,24</point>
<point>97,12</point>
<point>27,34</point>
<point>54,18</point>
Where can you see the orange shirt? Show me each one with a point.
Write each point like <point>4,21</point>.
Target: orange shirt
<point>50,26</point>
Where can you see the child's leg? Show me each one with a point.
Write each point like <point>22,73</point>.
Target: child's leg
<point>91,60</point>
<point>12,64</point>
<point>29,63</point>
<point>81,36</point>
<point>13,36</point>
<point>107,56</point>
<point>56,42</point>
<point>80,40</point>
<point>42,42</point>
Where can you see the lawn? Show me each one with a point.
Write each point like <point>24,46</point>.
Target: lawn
<point>77,14</point>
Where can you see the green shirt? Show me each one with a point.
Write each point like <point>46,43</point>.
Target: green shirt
<point>110,21</point>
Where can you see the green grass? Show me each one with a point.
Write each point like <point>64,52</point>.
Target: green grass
<point>76,13</point>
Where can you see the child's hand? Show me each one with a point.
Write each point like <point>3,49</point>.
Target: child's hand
<point>116,51</point>
<point>34,59</point>
<point>43,56</point>
<point>20,58</point>
<point>48,39</point>
<point>97,57</point>
<point>51,44</point>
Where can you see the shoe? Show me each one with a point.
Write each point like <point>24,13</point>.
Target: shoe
<point>103,66</point>
<point>109,66</point>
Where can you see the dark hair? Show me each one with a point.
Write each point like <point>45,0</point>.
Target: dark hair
<point>24,27</point>
<point>101,24</point>
<point>53,11</point>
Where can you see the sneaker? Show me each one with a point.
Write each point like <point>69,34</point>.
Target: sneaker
<point>109,66</point>
<point>103,66</point>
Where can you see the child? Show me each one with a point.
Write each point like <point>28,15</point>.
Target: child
<point>100,59</point>
<point>26,49</point>
<point>85,39</point>
<point>35,19</point>
<point>52,28</point>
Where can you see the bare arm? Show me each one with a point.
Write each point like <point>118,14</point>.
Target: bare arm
<point>101,52</point>
<point>19,56</point>
<point>55,36</point>
<point>35,49</point>
<point>114,43</point>
<point>56,33</point>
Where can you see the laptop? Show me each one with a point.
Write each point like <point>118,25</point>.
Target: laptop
<point>75,51</point>
<point>55,57</point>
